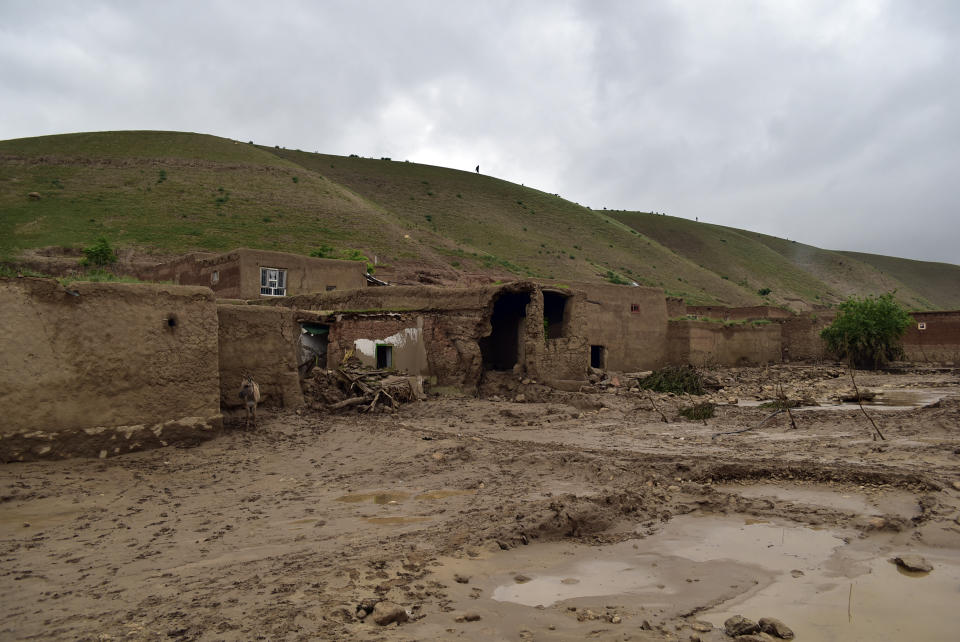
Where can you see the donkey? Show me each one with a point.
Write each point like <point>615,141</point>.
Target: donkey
<point>250,393</point>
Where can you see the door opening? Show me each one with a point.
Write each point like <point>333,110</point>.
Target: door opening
<point>598,357</point>
<point>501,349</point>
<point>384,356</point>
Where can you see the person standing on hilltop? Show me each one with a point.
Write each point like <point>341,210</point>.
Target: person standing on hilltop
<point>478,169</point>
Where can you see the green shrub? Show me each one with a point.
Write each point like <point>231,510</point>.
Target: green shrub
<point>698,411</point>
<point>764,291</point>
<point>99,254</point>
<point>867,331</point>
<point>675,379</point>
<point>616,279</point>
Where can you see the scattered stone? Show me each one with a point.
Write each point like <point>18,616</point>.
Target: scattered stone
<point>461,579</point>
<point>521,579</point>
<point>467,617</point>
<point>775,627</point>
<point>386,613</point>
<point>645,626</point>
<point>796,572</point>
<point>913,563</point>
<point>738,625</point>
<point>34,196</point>
<point>956,485</point>
<point>877,523</point>
<point>616,619</point>
<point>520,398</point>
<point>700,626</point>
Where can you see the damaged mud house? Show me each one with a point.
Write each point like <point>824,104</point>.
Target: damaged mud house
<point>99,369</point>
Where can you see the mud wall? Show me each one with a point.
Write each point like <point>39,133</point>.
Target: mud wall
<point>739,314</point>
<point>98,369</point>
<point>263,342</point>
<point>800,337</point>
<point>700,343</point>
<point>676,307</point>
<point>630,322</point>
<point>939,342</point>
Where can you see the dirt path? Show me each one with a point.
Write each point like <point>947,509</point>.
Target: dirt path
<point>282,533</point>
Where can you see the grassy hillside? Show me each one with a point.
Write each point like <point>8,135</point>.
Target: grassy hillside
<point>939,282</point>
<point>481,222</point>
<point>169,192</point>
<point>793,270</point>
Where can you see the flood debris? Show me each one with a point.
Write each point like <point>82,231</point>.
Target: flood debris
<point>738,625</point>
<point>352,386</point>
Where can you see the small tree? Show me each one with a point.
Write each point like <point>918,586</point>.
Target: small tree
<point>867,332</point>
<point>99,254</point>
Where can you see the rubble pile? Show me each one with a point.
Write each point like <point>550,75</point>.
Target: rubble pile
<point>353,386</point>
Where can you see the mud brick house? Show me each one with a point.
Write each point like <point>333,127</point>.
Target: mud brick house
<point>251,274</point>
<point>934,337</point>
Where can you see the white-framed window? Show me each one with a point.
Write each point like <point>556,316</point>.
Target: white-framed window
<point>273,282</point>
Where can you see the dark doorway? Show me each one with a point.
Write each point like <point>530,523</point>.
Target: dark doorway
<point>500,350</point>
<point>314,339</point>
<point>554,314</point>
<point>384,356</point>
<point>598,357</point>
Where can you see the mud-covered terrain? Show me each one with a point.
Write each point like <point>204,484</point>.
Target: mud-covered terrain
<point>560,516</point>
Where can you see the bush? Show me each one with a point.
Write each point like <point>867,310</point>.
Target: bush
<point>698,411</point>
<point>867,332</point>
<point>764,291</point>
<point>99,254</point>
<point>675,379</point>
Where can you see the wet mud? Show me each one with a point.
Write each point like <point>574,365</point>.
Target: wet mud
<point>565,516</point>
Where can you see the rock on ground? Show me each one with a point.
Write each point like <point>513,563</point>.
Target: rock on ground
<point>739,625</point>
<point>775,627</point>
<point>913,563</point>
<point>385,613</point>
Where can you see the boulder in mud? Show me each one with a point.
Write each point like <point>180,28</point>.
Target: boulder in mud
<point>385,613</point>
<point>738,625</point>
<point>913,563</point>
<point>776,628</point>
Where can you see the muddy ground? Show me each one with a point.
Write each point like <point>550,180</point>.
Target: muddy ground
<point>563,516</point>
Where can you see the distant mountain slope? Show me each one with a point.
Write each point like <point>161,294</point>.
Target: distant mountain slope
<point>793,270</point>
<point>166,193</point>
<point>936,282</point>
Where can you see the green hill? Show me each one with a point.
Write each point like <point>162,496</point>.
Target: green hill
<point>165,193</point>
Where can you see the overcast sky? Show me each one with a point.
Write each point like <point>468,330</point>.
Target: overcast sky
<point>835,123</point>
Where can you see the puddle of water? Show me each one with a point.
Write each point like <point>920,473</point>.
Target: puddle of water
<point>396,520</point>
<point>377,498</point>
<point>443,494</point>
<point>880,605</point>
<point>903,399</point>
<point>799,575</point>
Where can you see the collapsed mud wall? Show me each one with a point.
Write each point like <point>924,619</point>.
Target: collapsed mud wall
<point>431,344</point>
<point>98,369</point>
<point>463,331</point>
<point>701,343</point>
<point>938,342</point>
<point>261,342</point>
